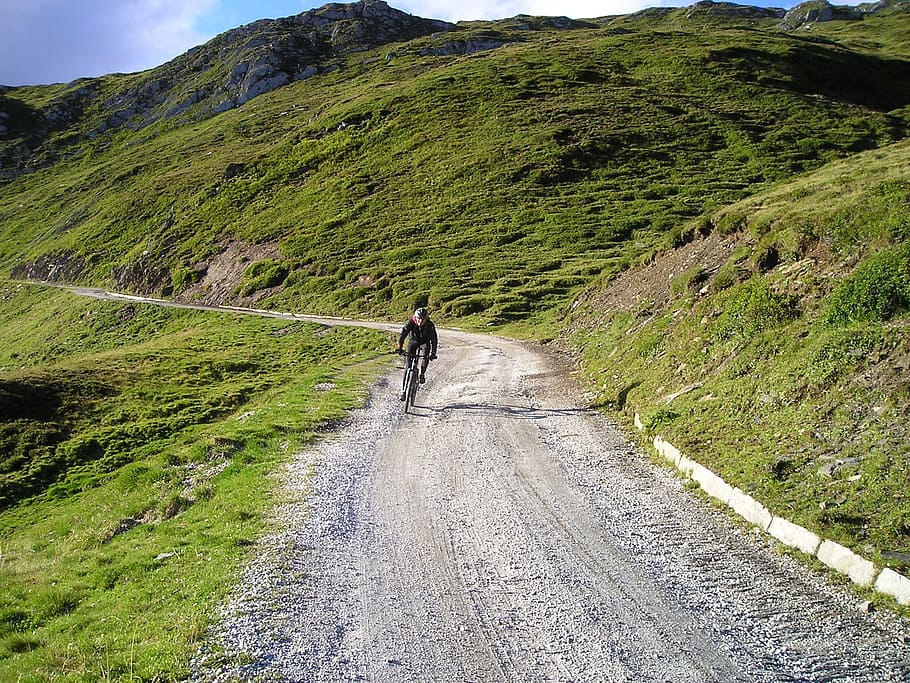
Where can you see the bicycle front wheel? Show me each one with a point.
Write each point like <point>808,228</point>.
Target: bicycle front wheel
<point>412,388</point>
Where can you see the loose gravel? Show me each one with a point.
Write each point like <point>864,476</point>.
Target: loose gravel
<point>503,533</point>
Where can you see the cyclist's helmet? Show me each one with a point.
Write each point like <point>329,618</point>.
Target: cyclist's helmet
<point>421,314</point>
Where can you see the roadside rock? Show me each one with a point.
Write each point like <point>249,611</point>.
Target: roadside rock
<point>50,268</point>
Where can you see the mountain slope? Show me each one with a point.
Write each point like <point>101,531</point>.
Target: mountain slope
<point>492,186</point>
<point>229,70</point>
<point>710,203</point>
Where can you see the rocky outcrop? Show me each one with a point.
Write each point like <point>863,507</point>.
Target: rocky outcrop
<point>145,276</point>
<point>800,16</point>
<point>808,13</point>
<point>224,73</point>
<point>268,54</point>
<point>463,47</point>
<point>50,268</point>
<point>705,9</point>
<point>245,62</point>
<point>816,10</point>
<point>732,11</point>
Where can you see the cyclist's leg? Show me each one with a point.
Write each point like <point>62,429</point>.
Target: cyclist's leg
<point>424,362</point>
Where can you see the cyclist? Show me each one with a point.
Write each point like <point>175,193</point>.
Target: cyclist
<point>420,331</point>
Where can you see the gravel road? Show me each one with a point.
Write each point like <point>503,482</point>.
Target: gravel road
<point>503,533</point>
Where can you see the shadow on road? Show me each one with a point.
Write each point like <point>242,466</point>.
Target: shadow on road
<point>502,410</point>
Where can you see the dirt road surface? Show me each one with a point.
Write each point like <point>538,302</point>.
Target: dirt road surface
<point>505,533</point>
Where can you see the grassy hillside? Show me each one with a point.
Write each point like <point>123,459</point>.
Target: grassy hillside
<point>715,209</point>
<point>493,186</point>
<point>136,445</point>
<point>776,349</point>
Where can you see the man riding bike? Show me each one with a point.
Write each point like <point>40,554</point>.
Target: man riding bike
<point>420,331</point>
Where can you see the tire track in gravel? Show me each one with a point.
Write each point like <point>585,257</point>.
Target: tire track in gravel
<point>502,533</point>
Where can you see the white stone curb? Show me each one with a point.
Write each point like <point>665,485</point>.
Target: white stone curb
<point>686,465</point>
<point>844,560</point>
<point>794,535</point>
<point>860,570</point>
<point>892,583</point>
<point>665,448</point>
<point>711,483</point>
<point>751,510</point>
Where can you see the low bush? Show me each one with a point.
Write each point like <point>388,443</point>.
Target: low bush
<point>730,273</point>
<point>184,277</point>
<point>753,307</point>
<point>837,352</point>
<point>689,281</point>
<point>730,222</point>
<point>262,275</point>
<point>878,289</point>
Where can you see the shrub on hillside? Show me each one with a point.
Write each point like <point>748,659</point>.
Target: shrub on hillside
<point>835,353</point>
<point>262,275</point>
<point>753,307</point>
<point>730,222</point>
<point>878,289</point>
<point>184,277</point>
<point>880,215</point>
<point>732,271</point>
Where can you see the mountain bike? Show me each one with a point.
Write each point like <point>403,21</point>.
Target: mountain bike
<point>411,379</point>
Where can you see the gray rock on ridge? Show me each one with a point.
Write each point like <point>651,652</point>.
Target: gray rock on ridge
<point>270,53</point>
<point>226,72</point>
<point>805,14</point>
<point>729,9</point>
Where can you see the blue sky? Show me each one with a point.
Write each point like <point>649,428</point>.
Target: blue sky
<point>55,41</point>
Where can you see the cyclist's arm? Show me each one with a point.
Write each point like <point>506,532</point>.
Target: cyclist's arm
<point>434,340</point>
<point>404,333</point>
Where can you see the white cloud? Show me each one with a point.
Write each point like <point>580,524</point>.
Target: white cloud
<point>161,29</point>
<point>46,41</point>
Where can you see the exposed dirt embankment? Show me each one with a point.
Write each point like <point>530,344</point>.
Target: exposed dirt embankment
<point>222,275</point>
<point>649,286</point>
<point>217,280</point>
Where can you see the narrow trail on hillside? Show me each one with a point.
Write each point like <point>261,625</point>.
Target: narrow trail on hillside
<point>503,533</point>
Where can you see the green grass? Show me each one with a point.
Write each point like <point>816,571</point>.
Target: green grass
<point>452,179</point>
<point>506,188</point>
<point>877,290</point>
<point>139,472</point>
<point>796,374</point>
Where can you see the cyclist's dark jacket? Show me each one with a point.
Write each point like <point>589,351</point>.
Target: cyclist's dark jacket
<point>418,336</point>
